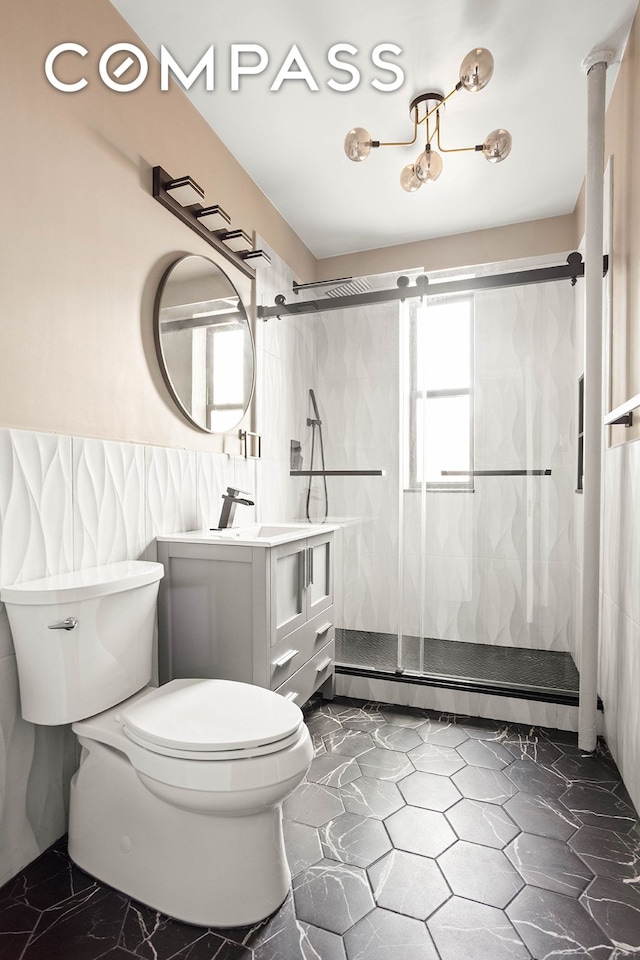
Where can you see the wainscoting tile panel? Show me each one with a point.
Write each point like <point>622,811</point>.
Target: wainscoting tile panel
<point>244,478</point>
<point>171,491</point>
<point>108,502</point>
<point>36,764</point>
<point>618,686</point>
<point>35,505</point>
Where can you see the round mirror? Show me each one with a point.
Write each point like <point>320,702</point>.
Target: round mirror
<point>204,344</point>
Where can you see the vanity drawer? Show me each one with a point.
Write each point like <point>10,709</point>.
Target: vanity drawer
<point>289,654</point>
<point>308,678</point>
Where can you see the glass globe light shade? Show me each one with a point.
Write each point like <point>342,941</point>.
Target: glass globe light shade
<point>428,166</point>
<point>408,179</point>
<point>357,144</point>
<point>476,69</point>
<point>497,145</point>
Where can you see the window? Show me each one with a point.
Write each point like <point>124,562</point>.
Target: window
<point>225,374</point>
<point>440,348</point>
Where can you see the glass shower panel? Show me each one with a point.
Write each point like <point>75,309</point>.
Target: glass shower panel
<point>488,508</point>
<point>459,560</point>
<point>357,389</point>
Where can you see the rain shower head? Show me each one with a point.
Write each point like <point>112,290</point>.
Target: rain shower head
<point>357,285</point>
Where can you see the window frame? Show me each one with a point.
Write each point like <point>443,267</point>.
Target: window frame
<point>447,485</point>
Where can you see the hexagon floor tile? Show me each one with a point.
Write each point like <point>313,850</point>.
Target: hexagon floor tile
<point>464,930</point>
<point>480,822</point>
<point>415,836</point>
<point>372,798</point>
<point>550,864</point>
<point>351,838</point>
<point>415,830</point>
<point>383,934</point>
<point>408,884</point>
<point>480,873</point>
<point>429,790</point>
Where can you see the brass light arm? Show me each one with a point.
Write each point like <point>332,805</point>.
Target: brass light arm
<point>440,103</point>
<point>401,143</point>
<point>453,149</point>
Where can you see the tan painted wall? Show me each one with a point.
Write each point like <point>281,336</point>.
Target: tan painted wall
<point>520,240</point>
<point>623,144</point>
<point>84,244</point>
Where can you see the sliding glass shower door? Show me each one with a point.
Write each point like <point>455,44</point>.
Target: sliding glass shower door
<point>487,537</point>
<point>359,397</point>
<point>459,561</point>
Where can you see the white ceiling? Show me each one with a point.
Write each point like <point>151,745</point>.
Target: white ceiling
<point>290,141</point>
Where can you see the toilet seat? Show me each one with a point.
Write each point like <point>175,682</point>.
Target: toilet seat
<point>209,720</point>
<point>226,770</point>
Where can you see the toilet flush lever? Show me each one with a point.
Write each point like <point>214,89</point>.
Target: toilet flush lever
<point>69,623</point>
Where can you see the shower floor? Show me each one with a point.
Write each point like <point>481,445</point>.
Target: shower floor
<point>543,672</point>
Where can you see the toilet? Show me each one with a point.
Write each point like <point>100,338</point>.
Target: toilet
<point>177,800</point>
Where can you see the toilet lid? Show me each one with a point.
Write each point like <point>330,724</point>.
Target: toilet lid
<point>208,716</point>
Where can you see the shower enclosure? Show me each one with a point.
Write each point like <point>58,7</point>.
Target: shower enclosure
<point>458,564</point>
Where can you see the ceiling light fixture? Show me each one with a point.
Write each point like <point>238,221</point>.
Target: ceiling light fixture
<point>475,72</point>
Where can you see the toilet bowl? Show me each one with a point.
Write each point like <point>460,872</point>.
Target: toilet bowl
<point>177,800</point>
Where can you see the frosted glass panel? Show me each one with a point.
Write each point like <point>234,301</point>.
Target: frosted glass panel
<point>288,594</point>
<point>320,587</point>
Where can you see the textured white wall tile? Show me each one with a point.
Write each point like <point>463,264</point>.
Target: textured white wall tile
<point>171,491</point>
<point>35,768</point>
<point>619,681</point>
<point>370,598</point>
<point>35,505</point>
<point>619,674</point>
<point>245,479</point>
<point>108,502</point>
<point>276,497</point>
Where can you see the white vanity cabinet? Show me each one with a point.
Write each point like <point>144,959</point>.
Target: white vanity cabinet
<point>249,608</point>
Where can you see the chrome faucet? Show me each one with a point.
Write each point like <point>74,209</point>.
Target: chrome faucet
<point>231,499</point>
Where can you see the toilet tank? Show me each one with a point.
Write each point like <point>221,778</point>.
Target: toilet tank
<point>103,657</point>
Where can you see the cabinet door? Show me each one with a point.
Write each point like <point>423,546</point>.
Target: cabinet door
<point>288,576</point>
<point>320,573</point>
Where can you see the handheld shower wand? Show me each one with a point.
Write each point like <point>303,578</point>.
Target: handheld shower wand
<point>316,422</point>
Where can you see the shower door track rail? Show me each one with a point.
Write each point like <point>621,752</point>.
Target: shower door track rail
<point>515,691</point>
<point>571,270</point>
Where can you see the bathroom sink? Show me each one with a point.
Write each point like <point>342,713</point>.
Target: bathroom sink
<point>255,534</point>
<point>261,531</point>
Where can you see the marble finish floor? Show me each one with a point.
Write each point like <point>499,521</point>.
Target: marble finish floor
<point>416,836</point>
